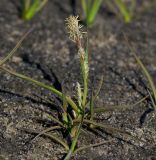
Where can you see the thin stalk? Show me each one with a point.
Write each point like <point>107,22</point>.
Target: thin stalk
<point>85,93</point>
<point>50,88</point>
<point>73,145</point>
<point>74,142</point>
<point>85,74</point>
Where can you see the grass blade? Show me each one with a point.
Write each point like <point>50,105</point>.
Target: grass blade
<point>48,87</point>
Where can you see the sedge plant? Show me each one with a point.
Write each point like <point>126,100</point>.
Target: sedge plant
<point>82,111</point>
<point>31,7</point>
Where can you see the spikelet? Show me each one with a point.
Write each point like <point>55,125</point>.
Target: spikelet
<point>79,94</point>
<point>86,66</point>
<point>73,28</point>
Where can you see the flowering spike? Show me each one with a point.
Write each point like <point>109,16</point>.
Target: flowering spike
<point>73,28</point>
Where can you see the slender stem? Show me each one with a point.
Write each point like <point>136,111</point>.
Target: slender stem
<point>85,93</point>
<point>85,73</point>
<point>74,142</point>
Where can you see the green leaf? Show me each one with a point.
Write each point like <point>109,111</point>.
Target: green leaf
<point>48,87</point>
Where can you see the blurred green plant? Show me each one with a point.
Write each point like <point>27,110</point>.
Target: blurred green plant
<point>76,116</point>
<point>31,7</point>
<point>119,7</point>
<point>90,9</point>
<point>125,10</point>
<point>122,9</point>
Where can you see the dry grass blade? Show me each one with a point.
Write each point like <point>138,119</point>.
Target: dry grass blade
<point>91,145</point>
<point>10,54</point>
<point>145,71</point>
<point>118,108</point>
<point>53,137</point>
<point>46,130</point>
<point>110,129</point>
<point>98,89</point>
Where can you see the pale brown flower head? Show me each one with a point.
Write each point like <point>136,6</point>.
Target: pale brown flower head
<point>73,28</point>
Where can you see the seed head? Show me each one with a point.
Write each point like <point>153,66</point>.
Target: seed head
<point>73,28</point>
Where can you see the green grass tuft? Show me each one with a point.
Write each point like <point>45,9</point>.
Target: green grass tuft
<point>82,110</point>
<point>31,7</point>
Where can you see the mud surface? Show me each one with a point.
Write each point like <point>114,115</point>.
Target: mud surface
<point>49,56</point>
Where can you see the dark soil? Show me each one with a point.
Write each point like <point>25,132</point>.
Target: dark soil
<point>49,56</point>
